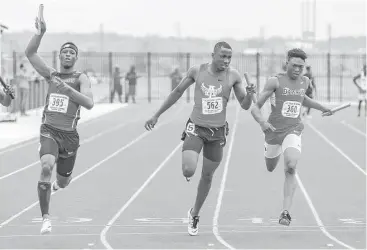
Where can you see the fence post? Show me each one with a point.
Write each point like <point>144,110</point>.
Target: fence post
<point>54,59</point>
<point>328,77</point>
<point>14,64</point>
<point>14,105</point>
<point>341,78</point>
<point>149,77</point>
<point>110,73</point>
<point>188,56</point>
<point>258,73</point>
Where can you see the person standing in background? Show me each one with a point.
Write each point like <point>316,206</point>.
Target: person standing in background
<point>23,85</point>
<point>131,78</point>
<point>116,85</point>
<point>176,78</point>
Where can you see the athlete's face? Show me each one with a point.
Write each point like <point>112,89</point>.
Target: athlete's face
<point>222,58</point>
<point>295,67</point>
<point>68,58</point>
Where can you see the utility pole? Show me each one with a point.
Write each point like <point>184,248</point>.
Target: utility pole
<point>2,28</point>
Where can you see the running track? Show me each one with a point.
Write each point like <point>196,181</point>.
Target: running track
<point>128,191</point>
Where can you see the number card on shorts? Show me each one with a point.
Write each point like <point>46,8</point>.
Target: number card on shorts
<point>58,103</point>
<point>291,109</point>
<point>212,105</point>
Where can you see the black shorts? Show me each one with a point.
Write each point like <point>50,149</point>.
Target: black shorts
<point>61,144</point>
<point>212,140</point>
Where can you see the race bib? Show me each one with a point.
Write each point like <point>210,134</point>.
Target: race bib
<point>190,128</point>
<point>58,103</point>
<point>291,109</point>
<point>212,105</point>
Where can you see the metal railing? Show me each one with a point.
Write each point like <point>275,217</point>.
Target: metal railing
<point>333,73</point>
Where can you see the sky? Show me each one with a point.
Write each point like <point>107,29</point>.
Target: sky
<point>209,19</point>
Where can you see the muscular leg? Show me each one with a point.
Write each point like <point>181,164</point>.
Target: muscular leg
<point>189,162</point>
<point>212,156</point>
<point>48,154</point>
<point>291,157</point>
<point>292,153</point>
<point>359,107</point>
<point>205,183</point>
<point>44,184</point>
<point>191,149</point>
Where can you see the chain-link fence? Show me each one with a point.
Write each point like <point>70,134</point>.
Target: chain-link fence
<point>333,73</point>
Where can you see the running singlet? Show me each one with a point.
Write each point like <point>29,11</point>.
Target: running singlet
<point>363,81</point>
<point>210,98</point>
<point>286,102</point>
<point>61,112</point>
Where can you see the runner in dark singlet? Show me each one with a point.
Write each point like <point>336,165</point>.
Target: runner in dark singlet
<point>68,91</point>
<point>206,129</point>
<point>311,88</point>
<point>284,126</point>
<point>5,98</point>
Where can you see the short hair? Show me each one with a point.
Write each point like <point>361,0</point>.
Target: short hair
<point>297,53</point>
<point>220,45</point>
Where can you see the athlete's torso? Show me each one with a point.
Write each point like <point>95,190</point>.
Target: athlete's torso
<point>363,81</point>
<point>60,111</point>
<point>210,98</point>
<point>286,102</point>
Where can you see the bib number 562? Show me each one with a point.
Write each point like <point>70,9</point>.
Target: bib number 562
<point>212,105</point>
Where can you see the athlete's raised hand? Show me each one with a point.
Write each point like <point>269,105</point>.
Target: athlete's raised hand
<point>40,21</point>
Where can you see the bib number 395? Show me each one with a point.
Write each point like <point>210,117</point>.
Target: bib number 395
<point>58,103</point>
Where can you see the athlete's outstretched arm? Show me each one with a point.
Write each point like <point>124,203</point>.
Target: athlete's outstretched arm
<point>176,94</point>
<point>270,86</point>
<point>242,96</point>
<point>31,52</point>
<point>84,97</point>
<point>310,103</point>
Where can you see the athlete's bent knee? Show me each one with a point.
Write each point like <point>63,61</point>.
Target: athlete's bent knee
<point>63,181</point>
<point>189,162</point>
<point>47,163</point>
<point>188,170</point>
<point>271,163</point>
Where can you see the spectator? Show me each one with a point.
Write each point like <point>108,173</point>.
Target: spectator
<point>23,85</point>
<point>131,79</point>
<point>176,78</point>
<point>116,85</point>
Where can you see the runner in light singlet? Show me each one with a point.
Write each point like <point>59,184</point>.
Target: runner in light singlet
<point>362,87</point>
<point>284,127</point>
<point>207,128</point>
<point>68,91</point>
